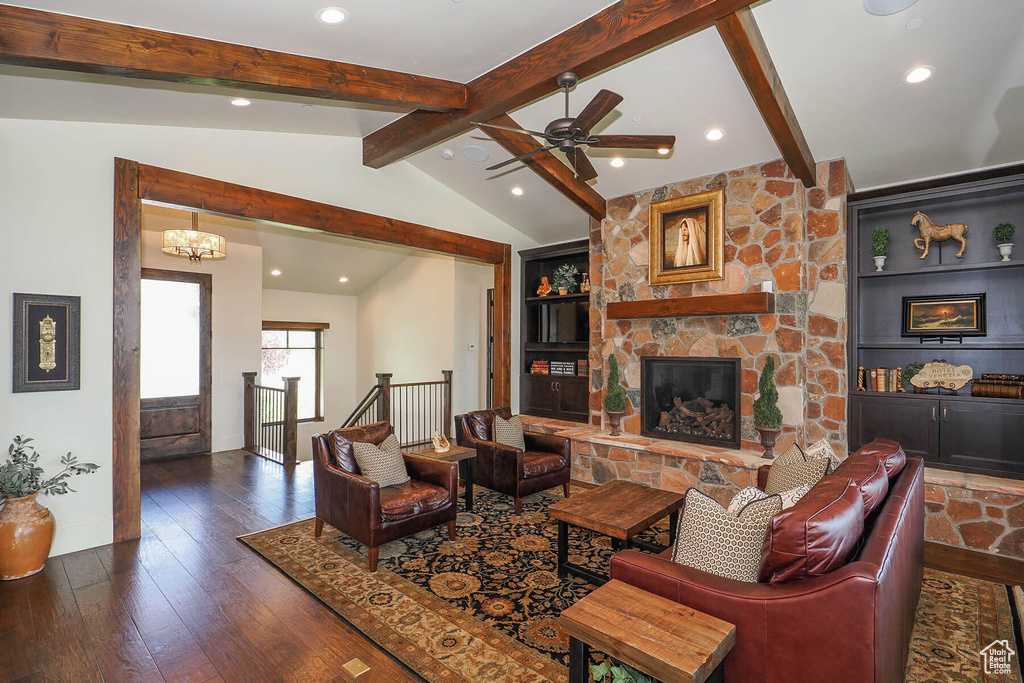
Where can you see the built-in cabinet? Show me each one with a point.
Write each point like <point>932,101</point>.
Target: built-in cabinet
<point>554,329</point>
<point>963,432</point>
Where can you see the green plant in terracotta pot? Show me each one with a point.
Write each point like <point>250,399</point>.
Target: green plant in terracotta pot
<point>26,527</point>
<point>564,278</point>
<point>767,416</point>
<point>615,399</point>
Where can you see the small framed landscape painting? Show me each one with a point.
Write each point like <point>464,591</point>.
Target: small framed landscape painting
<point>955,315</point>
<point>46,342</point>
<point>687,238</point>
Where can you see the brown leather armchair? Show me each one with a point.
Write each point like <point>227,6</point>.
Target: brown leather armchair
<point>369,513</point>
<point>545,463</point>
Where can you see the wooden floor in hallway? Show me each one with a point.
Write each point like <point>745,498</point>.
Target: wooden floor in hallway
<point>186,603</point>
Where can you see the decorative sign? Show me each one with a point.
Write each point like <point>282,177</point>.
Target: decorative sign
<point>944,375</point>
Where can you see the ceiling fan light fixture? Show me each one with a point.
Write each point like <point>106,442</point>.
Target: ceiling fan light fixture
<point>714,134</point>
<point>617,162</point>
<point>332,15</point>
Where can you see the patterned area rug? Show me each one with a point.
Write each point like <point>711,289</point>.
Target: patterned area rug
<point>485,607</point>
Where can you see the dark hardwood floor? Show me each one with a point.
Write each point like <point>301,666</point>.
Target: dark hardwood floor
<point>187,602</point>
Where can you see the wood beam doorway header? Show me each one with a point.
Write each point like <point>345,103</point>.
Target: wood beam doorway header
<point>135,182</point>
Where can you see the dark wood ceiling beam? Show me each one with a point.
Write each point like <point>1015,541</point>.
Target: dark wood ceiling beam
<point>610,37</point>
<point>57,41</point>
<point>746,45</point>
<point>547,166</point>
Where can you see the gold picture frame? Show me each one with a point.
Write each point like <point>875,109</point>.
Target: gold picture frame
<point>698,257</point>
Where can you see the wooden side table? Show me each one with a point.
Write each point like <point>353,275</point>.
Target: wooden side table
<point>461,455</point>
<point>664,639</point>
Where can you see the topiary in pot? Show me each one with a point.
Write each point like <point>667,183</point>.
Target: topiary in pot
<point>564,278</point>
<point>880,246</point>
<point>615,399</point>
<point>767,416</point>
<point>1003,234</point>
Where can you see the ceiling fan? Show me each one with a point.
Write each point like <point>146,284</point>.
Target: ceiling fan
<point>571,135</point>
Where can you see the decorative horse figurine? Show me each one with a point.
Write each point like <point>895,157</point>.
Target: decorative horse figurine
<point>938,233</point>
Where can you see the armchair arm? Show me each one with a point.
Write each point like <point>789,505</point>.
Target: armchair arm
<point>548,443</point>
<point>506,462</point>
<point>354,498</point>
<point>433,471</point>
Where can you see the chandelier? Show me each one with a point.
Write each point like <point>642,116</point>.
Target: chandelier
<point>194,244</point>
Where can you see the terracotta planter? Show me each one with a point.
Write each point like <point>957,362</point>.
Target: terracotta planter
<point>613,421</point>
<point>563,290</point>
<point>768,439</point>
<point>26,533</point>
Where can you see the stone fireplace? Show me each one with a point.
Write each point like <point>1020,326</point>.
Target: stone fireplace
<point>691,399</point>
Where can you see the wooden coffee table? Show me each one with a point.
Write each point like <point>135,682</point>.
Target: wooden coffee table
<point>662,638</point>
<point>619,509</point>
<point>461,455</point>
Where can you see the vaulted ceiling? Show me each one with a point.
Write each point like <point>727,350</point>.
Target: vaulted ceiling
<point>842,69</point>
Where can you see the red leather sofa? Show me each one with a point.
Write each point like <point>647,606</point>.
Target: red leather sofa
<point>850,623</point>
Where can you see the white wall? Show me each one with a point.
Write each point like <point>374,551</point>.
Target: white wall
<point>56,191</point>
<point>339,354</point>
<point>469,388</point>
<point>237,289</point>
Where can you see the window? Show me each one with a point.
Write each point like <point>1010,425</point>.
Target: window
<point>296,350</point>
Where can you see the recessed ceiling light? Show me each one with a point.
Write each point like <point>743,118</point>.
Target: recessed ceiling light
<point>331,15</point>
<point>663,150</point>
<point>241,101</point>
<point>915,24</point>
<point>919,74</point>
<point>342,279</point>
<point>617,162</point>
<point>275,272</point>
<point>714,134</point>
<point>517,191</point>
<point>475,153</point>
<point>882,8</point>
<point>447,154</point>
<point>637,118</point>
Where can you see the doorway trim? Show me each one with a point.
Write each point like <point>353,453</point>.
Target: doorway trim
<point>135,183</point>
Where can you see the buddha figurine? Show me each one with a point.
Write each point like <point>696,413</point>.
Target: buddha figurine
<point>545,287</point>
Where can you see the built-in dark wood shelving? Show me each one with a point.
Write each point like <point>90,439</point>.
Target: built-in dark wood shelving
<point>555,347</point>
<point>558,297</point>
<point>952,268</point>
<point>721,304</point>
<point>964,395</point>
<point>948,346</point>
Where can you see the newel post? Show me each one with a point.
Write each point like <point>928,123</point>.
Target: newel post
<point>384,397</point>
<point>249,411</point>
<point>447,402</point>
<point>291,420</point>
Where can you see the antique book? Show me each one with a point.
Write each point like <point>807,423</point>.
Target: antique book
<point>997,391</point>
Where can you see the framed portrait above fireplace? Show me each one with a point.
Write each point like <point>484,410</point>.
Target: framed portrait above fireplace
<point>687,238</point>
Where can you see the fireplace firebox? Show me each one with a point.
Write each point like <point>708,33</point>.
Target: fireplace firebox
<point>691,399</point>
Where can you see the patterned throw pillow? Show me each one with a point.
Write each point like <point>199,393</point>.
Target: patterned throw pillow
<point>509,432</point>
<point>712,540</point>
<point>823,449</point>
<point>793,495</point>
<point>744,497</point>
<point>384,464</point>
<point>788,471</point>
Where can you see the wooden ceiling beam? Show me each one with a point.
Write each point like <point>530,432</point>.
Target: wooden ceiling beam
<point>610,37</point>
<point>547,166</point>
<point>745,43</point>
<point>58,41</point>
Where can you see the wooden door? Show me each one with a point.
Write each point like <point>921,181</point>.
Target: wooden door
<point>537,396</point>
<point>982,436</point>
<point>911,422</point>
<point>176,364</point>
<point>573,398</point>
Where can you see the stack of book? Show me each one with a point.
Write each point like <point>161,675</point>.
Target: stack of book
<point>880,379</point>
<point>998,386</point>
<point>562,367</point>
<point>540,367</point>
<point>582,368</point>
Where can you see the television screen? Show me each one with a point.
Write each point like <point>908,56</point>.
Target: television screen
<point>564,323</point>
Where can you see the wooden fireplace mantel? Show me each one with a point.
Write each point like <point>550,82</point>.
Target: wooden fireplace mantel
<point>723,304</point>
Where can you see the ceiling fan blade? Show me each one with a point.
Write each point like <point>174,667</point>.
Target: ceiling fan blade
<point>519,158</point>
<point>514,130</point>
<point>584,169</point>
<point>602,105</point>
<point>633,141</point>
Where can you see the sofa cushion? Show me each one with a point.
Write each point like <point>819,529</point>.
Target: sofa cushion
<point>711,539</point>
<point>889,452</point>
<point>509,432</point>
<point>480,422</point>
<point>743,498</point>
<point>793,468</point>
<point>384,464</point>
<point>815,536</point>
<point>823,449</point>
<point>868,473</point>
<point>536,464</point>
<point>339,441</point>
<point>411,498</point>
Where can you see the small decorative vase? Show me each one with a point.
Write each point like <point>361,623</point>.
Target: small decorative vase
<point>614,418</point>
<point>879,262</point>
<point>1005,249</point>
<point>563,290</point>
<point>585,283</point>
<point>768,439</point>
<point>26,533</point>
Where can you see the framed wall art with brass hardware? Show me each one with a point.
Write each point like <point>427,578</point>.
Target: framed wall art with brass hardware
<point>688,238</point>
<point>47,332</point>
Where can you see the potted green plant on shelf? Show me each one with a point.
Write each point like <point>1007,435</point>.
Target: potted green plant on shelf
<point>564,278</point>
<point>1003,233</point>
<point>908,374</point>
<point>880,247</point>
<point>615,399</point>
<point>619,673</point>
<point>26,527</point>
<point>767,416</point>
